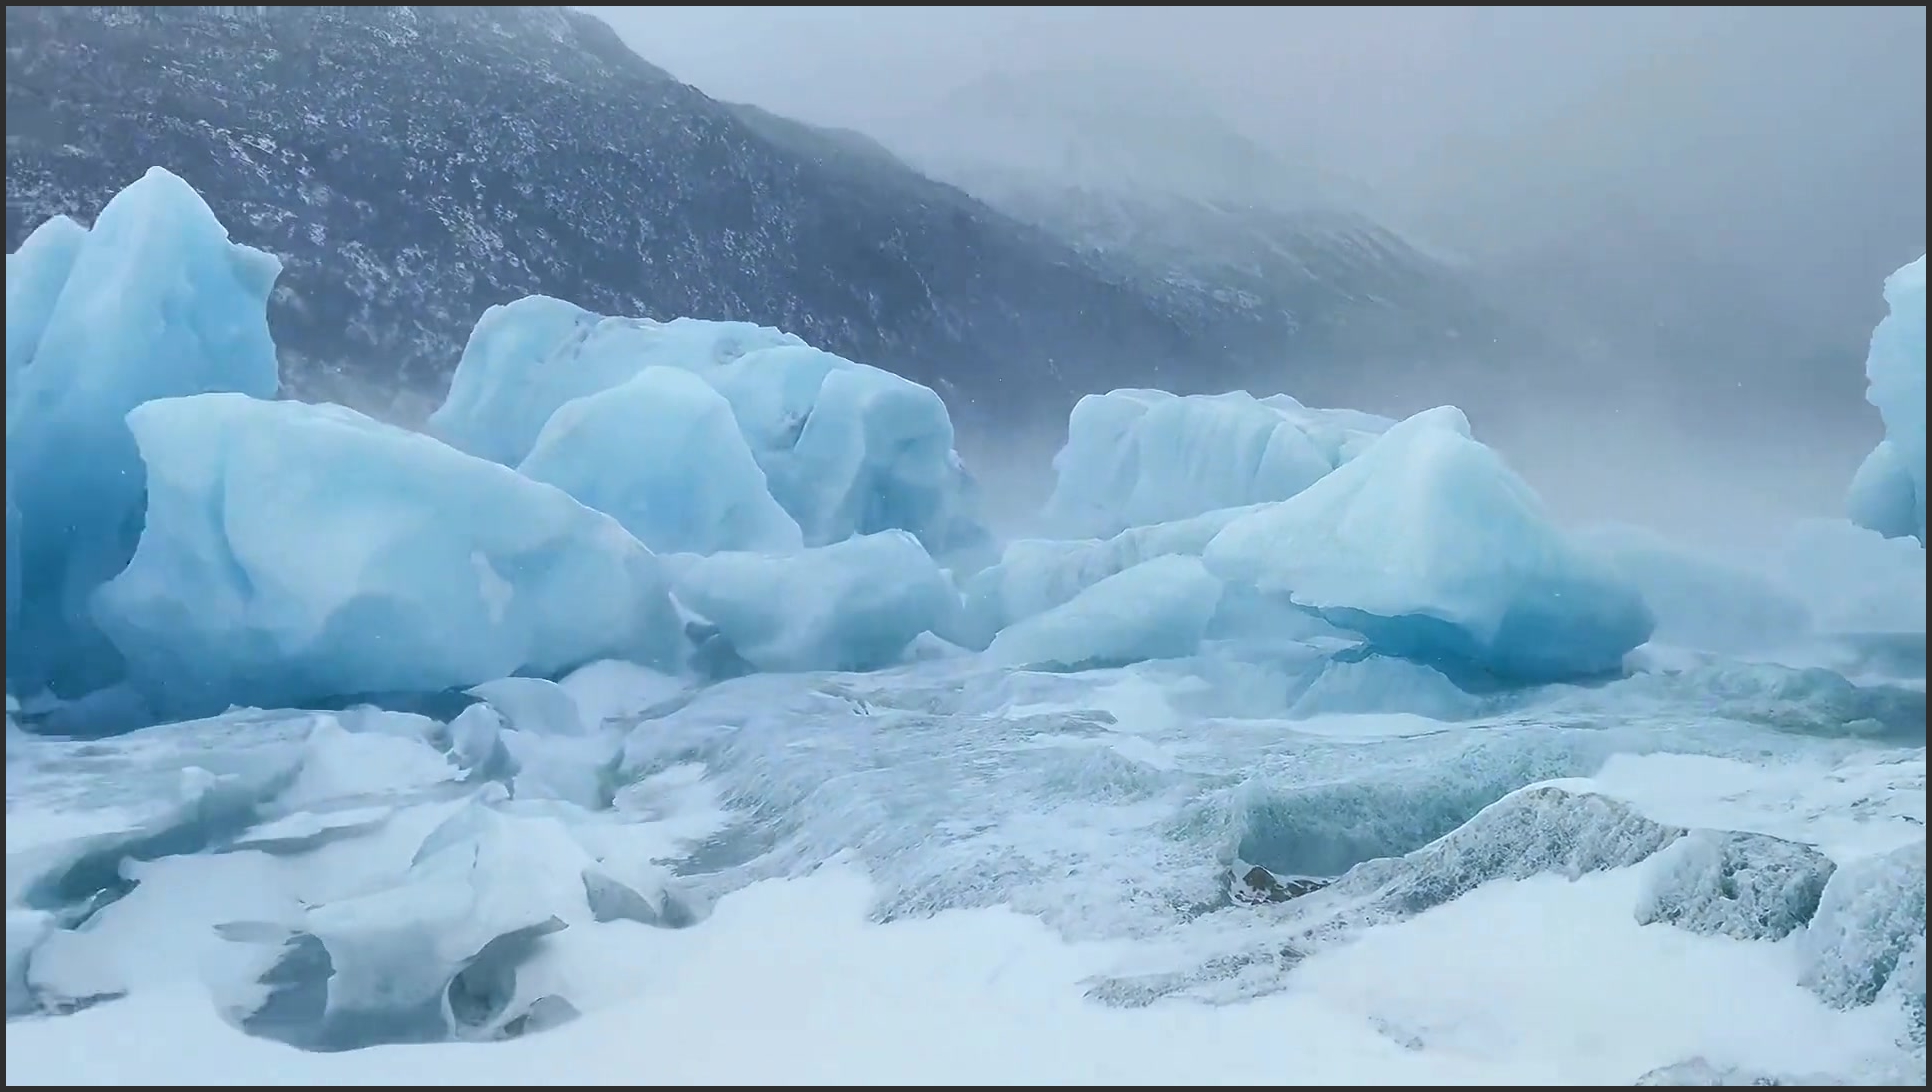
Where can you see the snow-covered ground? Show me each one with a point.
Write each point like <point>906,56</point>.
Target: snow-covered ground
<point>950,873</point>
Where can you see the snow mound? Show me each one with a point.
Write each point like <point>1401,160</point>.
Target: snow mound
<point>1738,884</point>
<point>1872,912</point>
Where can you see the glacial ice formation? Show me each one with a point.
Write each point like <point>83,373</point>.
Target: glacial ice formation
<point>1888,492</point>
<point>153,302</point>
<point>293,553</point>
<point>846,449</point>
<point>1138,457</point>
<point>850,606</point>
<point>1155,610</point>
<point>661,454</point>
<point>1433,549</point>
<point>1036,575</point>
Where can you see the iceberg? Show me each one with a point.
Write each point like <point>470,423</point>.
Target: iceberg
<point>850,606</point>
<point>1137,457</point>
<point>36,273</point>
<point>1035,575</point>
<point>1158,609</point>
<point>1430,547</point>
<point>661,454</point>
<point>846,449</point>
<point>526,358</point>
<point>154,302</point>
<point>1887,494</point>
<point>1700,602</point>
<point>294,553</point>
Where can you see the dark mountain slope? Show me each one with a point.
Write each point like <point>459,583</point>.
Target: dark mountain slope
<point>415,165</point>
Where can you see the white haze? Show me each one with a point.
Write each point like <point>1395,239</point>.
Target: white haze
<point>1769,162</point>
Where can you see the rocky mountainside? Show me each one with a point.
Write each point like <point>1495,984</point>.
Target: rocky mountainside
<point>413,166</point>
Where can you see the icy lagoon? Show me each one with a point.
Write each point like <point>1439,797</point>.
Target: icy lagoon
<point>666,715</point>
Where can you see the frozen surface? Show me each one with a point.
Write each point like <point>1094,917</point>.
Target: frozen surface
<point>1032,877</point>
<point>153,302</point>
<point>845,448</point>
<point>1136,457</point>
<point>1888,493</point>
<point>853,605</point>
<point>1430,547</point>
<point>661,454</point>
<point>294,553</point>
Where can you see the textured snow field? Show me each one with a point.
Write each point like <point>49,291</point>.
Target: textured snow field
<point>871,935</point>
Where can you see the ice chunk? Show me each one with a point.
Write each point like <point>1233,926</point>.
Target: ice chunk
<point>1872,910</point>
<point>157,303</point>
<point>853,605</point>
<point>1888,493</point>
<point>850,449</point>
<point>1137,457</point>
<point>295,552</point>
<point>1434,550</point>
<point>1700,602</point>
<point>528,357</point>
<point>661,453</point>
<point>1743,885</point>
<point>846,448</point>
<point>36,274</point>
<point>1036,575</point>
<point>1155,610</point>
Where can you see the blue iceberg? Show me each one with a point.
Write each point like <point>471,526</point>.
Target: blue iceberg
<point>154,302</point>
<point>662,455</point>
<point>294,553</point>
<point>846,449</point>
<point>1136,457</point>
<point>1430,547</point>
<point>1158,609</point>
<point>851,606</point>
<point>1888,493</point>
